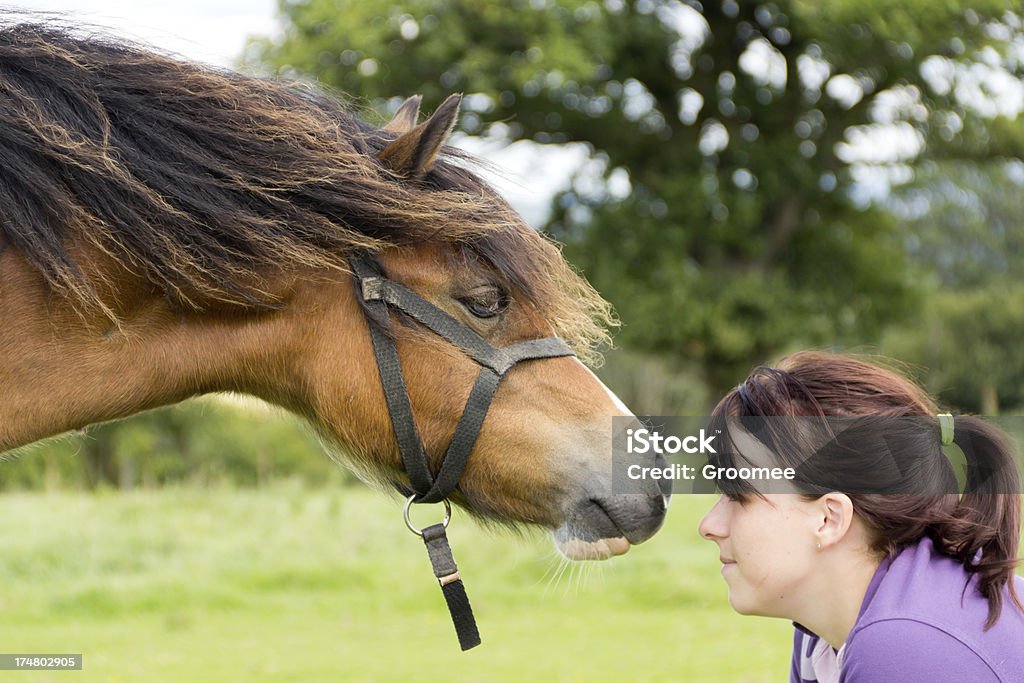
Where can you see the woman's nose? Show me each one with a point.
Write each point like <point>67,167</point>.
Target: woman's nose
<point>713,525</point>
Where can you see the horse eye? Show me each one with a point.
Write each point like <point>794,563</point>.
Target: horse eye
<point>486,303</point>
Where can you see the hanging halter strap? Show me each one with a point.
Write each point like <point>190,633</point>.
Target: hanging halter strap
<point>378,293</point>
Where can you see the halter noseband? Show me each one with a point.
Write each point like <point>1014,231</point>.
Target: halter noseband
<point>378,293</point>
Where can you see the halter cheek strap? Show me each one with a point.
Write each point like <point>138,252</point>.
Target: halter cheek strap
<point>378,294</point>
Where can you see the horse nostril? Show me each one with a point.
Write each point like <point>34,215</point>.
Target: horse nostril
<point>635,516</point>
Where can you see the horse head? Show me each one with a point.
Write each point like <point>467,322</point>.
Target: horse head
<point>173,230</point>
<point>543,454</point>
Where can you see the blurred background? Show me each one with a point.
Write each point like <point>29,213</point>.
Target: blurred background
<point>740,179</point>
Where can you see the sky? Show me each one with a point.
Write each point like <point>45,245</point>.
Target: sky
<point>212,31</point>
<point>215,32</point>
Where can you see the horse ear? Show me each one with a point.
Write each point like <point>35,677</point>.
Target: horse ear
<point>413,153</point>
<point>405,118</point>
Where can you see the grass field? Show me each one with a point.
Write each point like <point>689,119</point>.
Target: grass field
<point>288,584</point>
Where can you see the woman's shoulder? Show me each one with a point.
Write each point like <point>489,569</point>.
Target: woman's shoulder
<point>925,585</point>
<point>907,649</point>
<point>925,609</point>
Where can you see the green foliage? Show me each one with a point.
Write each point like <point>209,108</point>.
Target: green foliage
<point>965,221</point>
<point>970,346</point>
<point>965,227</point>
<point>655,385</point>
<point>742,234</point>
<point>210,441</point>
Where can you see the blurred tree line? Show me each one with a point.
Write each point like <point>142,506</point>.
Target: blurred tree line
<point>209,441</point>
<point>763,176</point>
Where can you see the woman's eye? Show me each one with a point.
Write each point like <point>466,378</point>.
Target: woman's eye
<point>486,304</point>
<point>736,498</point>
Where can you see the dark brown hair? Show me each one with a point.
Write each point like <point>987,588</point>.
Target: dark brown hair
<point>980,529</point>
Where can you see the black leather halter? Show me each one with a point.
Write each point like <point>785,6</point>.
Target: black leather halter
<point>378,293</point>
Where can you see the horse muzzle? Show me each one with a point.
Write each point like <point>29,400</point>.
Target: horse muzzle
<point>605,526</point>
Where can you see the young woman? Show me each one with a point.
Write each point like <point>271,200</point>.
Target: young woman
<point>913,586</point>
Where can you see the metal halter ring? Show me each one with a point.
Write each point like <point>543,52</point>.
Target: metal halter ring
<point>408,522</point>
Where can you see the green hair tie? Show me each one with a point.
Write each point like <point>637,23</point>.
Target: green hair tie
<point>946,428</point>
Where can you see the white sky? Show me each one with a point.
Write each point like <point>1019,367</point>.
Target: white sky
<point>212,31</point>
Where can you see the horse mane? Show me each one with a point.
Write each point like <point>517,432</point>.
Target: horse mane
<point>204,180</point>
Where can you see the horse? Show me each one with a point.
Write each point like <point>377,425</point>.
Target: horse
<point>169,229</point>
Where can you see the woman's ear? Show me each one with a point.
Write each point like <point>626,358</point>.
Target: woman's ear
<point>836,510</point>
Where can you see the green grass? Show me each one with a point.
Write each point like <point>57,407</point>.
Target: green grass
<point>287,584</point>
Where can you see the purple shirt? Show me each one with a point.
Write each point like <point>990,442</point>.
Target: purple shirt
<point>922,619</point>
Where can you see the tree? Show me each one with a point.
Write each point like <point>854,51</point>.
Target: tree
<point>735,123</point>
<point>965,226</point>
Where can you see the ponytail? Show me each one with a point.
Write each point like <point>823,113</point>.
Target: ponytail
<point>982,531</point>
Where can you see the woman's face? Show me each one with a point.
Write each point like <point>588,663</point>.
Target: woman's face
<point>768,548</point>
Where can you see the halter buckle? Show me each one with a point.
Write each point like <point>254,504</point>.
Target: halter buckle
<point>373,288</point>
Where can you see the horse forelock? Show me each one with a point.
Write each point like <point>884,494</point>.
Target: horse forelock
<point>203,180</point>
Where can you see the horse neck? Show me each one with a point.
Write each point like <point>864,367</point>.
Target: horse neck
<point>61,369</point>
